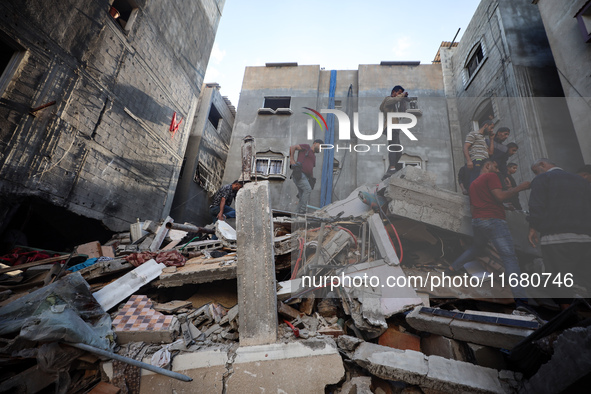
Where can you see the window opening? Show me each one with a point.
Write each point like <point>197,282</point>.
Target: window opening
<point>10,57</point>
<point>475,61</point>
<point>124,12</point>
<point>214,116</point>
<point>277,102</point>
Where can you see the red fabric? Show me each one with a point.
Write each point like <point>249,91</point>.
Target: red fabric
<point>18,256</point>
<point>484,205</point>
<point>169,258</point>
<point>307,157</point>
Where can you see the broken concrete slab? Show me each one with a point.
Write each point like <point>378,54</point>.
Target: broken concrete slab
<point>206,368</point>
<point>117,291</point>
<point>271,368</point>
<point>263,368</point>
<point>256,266</point>
<point>138,321</point>
<point>382,240</point>
<point>196,271</point>
<point>415,197</point>
<point>484,328</point>
<point>433,372</point>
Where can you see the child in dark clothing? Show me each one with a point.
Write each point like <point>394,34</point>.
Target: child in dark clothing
<point>514,201</point>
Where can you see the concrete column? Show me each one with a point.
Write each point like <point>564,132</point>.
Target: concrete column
<point>455,130</point>
<point>256,266</point>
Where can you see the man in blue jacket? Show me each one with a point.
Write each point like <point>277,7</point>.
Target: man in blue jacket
<point>560,211</point>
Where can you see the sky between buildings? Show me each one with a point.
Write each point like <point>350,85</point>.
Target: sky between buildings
<point>337,35</point>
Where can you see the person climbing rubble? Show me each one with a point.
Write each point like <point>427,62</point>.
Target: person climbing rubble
<point>488,223</point>
<point>395,102</point>
<point>220,208</point>
<point>303,170</point>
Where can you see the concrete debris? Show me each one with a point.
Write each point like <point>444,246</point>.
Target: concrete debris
<point>266,368</point>
<point>414,196</point>
<point>283,245</point>
<point>570,362</point>
<point>483,328</point>
<point>430,372</point>
<point>357,385</point>
<point>226,234</point>
<point>245,341</point>
<point>199,270</point>
<point>172,306</point>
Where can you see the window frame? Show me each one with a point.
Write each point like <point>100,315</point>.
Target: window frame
<point>269,156</point>
<point>468,77</point>
<point>269,109</point>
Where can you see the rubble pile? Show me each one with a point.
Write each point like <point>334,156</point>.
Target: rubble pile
<point>164,295</point>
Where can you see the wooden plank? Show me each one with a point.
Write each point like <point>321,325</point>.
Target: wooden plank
<point>36,263</point>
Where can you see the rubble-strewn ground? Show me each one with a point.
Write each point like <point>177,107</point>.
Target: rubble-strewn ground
<point>169,298</point>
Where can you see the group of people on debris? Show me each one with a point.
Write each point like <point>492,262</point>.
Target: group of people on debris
<point>559,212</point>
<point>559,202</point>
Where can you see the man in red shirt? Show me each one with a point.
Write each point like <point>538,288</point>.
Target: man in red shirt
<point>488,222</point>
<point>303,170</point>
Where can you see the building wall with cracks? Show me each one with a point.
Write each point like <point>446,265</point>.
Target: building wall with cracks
<point>205,156</point>
<point>104,149</point>
<point>504,68</point>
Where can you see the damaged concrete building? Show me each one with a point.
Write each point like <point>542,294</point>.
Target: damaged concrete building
<point>490,74</point>
<point>205,156</point>
<point>349,298</point>
<point>97,107</point>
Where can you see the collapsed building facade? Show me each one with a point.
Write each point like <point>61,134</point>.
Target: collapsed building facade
<point>98,100</point>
